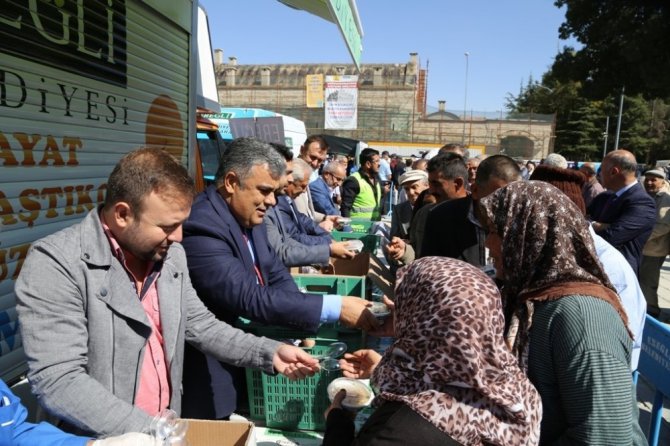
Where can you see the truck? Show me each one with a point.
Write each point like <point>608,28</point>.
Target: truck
<point>267,125</point>
<point>81,84</point>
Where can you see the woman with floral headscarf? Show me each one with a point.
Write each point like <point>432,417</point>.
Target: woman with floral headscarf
<point>448,378</point>
<point>565,323</point>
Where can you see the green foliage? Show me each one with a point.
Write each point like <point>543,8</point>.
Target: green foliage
<point>624,44</point>
<point>581,132</point>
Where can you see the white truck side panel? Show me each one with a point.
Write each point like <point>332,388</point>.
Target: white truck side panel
<point>64,126</point>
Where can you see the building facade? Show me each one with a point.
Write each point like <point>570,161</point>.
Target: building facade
<point>391,106</point>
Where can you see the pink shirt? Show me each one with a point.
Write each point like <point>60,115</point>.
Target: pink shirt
<point>153,392</point>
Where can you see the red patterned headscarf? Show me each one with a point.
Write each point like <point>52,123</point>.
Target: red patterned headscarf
<point>449,362</point>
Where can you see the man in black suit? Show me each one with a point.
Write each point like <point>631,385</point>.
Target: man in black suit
<point>453,229</point>
<point>296,239</point>
<point>625,214</point>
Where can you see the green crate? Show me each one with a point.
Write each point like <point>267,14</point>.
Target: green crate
<point>360,225</point>
<point>285,404</point>
<point>327,333</point>
<point>331,284</point>
<point>370,241</point>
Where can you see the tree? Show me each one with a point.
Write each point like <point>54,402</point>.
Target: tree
<point>580,121</point>
<point>658,130</point>
<point>624,44</point>
<point>580,134</point>
<point>550,97</point>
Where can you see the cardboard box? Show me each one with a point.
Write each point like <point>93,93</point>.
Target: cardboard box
<point>220,433</point>
<point>272,437</point>
<point>358,266</point>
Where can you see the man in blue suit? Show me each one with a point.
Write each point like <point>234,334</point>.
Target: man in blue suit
<point>236,273</point>
<point>624,215</point>
<point>299,225</point>
<point>322,188</point>
<point>284,222</point>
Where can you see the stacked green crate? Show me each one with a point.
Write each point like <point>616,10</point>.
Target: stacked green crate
<point>285,404</point>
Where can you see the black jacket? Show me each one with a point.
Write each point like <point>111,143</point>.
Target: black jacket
<point>450,233</point>
<point>392,424</point>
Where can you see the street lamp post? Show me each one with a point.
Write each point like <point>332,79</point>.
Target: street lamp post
<point>465,99</point>
<point>618,122</point>
<point>605,135</point>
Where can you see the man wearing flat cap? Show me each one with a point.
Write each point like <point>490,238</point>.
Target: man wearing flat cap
<point>413,183</point>
<point>658,244</point>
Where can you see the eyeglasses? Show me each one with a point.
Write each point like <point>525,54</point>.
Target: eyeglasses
<point>336,178</point>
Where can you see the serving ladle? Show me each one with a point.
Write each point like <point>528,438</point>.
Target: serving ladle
<point>328,361</point>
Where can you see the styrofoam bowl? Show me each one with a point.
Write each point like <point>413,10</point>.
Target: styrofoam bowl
<point>355,245</point>
<point>380,310</point>
<point>359,394</point>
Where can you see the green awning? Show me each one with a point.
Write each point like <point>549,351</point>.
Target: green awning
<point>344,14</point>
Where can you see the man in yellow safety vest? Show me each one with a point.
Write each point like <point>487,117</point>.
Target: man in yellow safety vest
<point>361,192</point>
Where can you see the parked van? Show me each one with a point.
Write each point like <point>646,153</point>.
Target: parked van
<point>81,84</point>
<point>267,125</point>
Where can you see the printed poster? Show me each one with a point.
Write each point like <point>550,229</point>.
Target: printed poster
<point>341,111</point>
<point>314,90</point>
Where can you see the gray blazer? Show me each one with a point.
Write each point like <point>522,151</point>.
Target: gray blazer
<point>84,330</point>
<point>291,251</point>
<point>303,203</point>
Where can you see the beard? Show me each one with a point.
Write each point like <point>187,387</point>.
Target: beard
<point>135,243</point>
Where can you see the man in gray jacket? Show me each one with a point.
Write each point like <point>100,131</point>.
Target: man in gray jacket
<point>106,305</point>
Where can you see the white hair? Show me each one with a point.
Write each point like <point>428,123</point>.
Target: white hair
<point>556,160</point>
<point>301,169</point>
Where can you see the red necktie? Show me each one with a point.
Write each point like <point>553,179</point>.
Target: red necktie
<point>258,271</point>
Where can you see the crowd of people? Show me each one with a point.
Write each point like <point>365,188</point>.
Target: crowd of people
<point>573,306</point>
<point>521,292</point>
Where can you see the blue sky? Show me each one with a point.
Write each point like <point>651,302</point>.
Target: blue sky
<point>507,41</point>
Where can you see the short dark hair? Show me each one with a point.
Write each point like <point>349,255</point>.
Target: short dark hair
<point>451,147</point>
<point>283,150</point>
<point>451,165</point>
<point>244,153</point>
<point>323,144</point>
<point>498,166</point>
<point>385,152</point>
<point>147,170</point>
<point>367,155</point>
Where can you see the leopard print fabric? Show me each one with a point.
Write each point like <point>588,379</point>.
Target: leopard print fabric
<point>449,362</point>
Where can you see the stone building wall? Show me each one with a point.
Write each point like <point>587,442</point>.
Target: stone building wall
<point>387,107</point>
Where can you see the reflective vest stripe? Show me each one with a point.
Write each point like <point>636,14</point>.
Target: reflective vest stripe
<point>366,204</point>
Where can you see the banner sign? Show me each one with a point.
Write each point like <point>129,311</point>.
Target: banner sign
<point>314,89</point>
<point>341,110</point>
<point>346,21</point>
